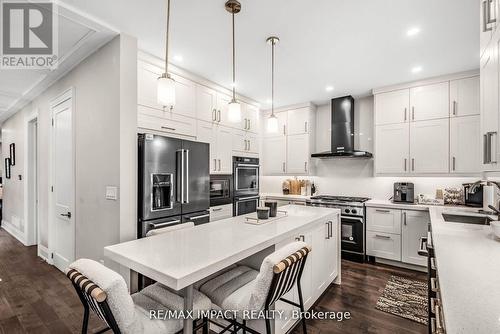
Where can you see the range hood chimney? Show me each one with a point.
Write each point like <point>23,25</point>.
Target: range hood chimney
<point>342,140</point>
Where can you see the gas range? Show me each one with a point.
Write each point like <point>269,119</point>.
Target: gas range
<point>352,219</point>
<point>348,204</point>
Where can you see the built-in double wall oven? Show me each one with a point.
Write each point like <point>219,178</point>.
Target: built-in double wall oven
<point>246,185</point>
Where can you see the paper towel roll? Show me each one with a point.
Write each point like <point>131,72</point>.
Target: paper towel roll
<point>488,197</point>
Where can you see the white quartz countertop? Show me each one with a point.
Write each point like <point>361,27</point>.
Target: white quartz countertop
<point>286,197</point>
<point>181,258</point>
<point>468,264</point>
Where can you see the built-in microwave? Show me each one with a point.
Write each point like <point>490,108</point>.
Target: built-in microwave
<point>221,189</point>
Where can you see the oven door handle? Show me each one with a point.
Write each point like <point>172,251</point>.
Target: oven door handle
<point>244,199</point>
<point>351,219</point>
<point>247,165</point>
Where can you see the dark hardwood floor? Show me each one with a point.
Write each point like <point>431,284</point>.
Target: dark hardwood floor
<point>37,298</point>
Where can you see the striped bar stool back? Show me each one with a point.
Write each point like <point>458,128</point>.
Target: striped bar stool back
<point>93,298</point>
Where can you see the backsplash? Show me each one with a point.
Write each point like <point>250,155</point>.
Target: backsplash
<point>354,177</point>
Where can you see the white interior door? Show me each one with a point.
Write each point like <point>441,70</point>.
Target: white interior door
<point>63,222</point>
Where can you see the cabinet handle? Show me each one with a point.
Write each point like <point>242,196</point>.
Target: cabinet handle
<point>283,167</point>
<point>249,124</point>
<point>413,113</point>
<point>305,166</point>
<point>331,229</point>
<point>218,117</point>
<point>297,239</point>
<point>305,126</point>
<point>404,218</point>
<point>245,145</point>
<point>383,211</point>
<point>382,236</point>
<point>168,128</point>
<point>413,164</point>
<point>327,230</point>
<point>485,148</point>
<point>219,165</point>
<point>405,163</point>
<point>217,209</point>
<point>215,165</point>
<point>214,114</point>
<point>406,110</point>
<point>434,285</point>
<point>453,163</point>
<point>486,15</point>
<point>491,154</point>
<point>249,145</point>
<point>490,19</point>
<point>454,108</point>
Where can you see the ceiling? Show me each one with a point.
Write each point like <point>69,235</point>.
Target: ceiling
<point>351,45</point>
<point>77,38</point>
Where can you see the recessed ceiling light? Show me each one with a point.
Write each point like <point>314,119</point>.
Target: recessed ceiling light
<point>178,58</point>
<point>413,31</point>
<point>329,88</point>
<point>416,69</point>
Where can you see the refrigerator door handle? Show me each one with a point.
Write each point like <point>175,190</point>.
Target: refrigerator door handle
<point>186,177</point>
<point>179,174</point>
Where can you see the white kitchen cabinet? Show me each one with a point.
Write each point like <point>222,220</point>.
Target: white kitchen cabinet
<point>185,90</point>
<point>488,14</point>
<point>299,121</point>
<point>274,155</point>
<point>165,122</point>
<point>464,97</point>
<point>413,228</point>
<point>206,104</point>
<point>223,109</point>
<point>383,245</point>
<point>465,141</point>
<point>250,118</point>
<point>298,154</point>
<point>489,108</point>
<point>221,212</point>
<point>383,220</point>
<point>392,107</point>
<point>392,148</point>
<point>429,146</point>
<point>429,101</point>
<point>245,142</point>
<point>220,140</point>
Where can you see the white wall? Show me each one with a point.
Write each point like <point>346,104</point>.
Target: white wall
<point>354,177</point>
<point>105,99</point>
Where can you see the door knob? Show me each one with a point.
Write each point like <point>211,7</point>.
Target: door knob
<point>66,215</point>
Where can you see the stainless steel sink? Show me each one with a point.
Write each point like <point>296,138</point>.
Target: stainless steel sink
<point>466,219</point>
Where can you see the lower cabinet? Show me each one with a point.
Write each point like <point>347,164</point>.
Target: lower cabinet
<point>394,234</point>
<point>321,269</point>
<point>383,245</point>
<point>413,228</point>
<point>221,212</point>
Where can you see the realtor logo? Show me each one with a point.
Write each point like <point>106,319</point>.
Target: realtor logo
<point>29,35</point>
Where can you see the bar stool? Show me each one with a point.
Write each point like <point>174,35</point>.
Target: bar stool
<point>105,292</point>
<point>245,289</point>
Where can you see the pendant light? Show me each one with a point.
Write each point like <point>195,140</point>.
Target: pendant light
<point>166,84</point>
<point>234,107</point>
<point>272,121</point>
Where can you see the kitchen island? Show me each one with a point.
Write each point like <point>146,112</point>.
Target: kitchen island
<point>181,258</point>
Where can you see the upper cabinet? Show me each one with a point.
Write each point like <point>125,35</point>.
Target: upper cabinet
<point>425,128</point>
<point>488,22</point>
<point>392,107</point>
<point>288,151</point>
<point>464,97</point>
<point>429,102</point>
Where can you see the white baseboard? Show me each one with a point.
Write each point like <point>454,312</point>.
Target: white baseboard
<point>14,231</point>
<point>401,264</point>
<point>43,252</point>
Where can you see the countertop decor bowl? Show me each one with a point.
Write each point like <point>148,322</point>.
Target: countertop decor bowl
<point>495,228</point>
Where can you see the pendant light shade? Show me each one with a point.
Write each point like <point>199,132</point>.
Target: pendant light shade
<point>272,124</point>
<point>166,85</point>
<point>234,111</point>
<point>272,121</point>
<point>234,107</point>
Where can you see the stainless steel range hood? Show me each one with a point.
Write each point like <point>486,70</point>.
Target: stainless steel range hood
<point>342,140</point>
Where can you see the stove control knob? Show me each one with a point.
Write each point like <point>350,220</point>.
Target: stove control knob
<point>354,211</point>
<point>347,210</point>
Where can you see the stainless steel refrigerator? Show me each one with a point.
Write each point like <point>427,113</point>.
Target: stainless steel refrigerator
<point>173,182</point>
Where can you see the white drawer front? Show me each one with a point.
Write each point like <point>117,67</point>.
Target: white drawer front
<point>169,123</point>
<point>221,212</point>
<point>383,220</point>
<point>383,245</point>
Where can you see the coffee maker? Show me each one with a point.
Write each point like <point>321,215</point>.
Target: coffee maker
<point>403,192</point>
